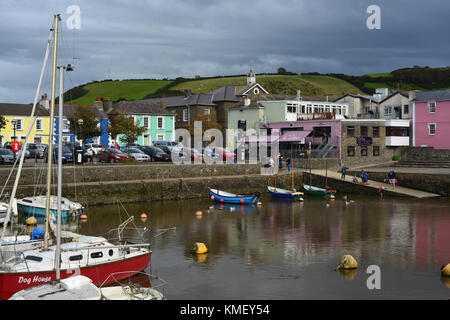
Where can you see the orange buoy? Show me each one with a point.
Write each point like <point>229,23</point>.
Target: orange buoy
<point>198,213</point>
<point>143,216</point>
<point>212,197</point>
<point>83,216</point>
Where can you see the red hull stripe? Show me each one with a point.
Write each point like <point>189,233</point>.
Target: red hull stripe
<point>11,283</point>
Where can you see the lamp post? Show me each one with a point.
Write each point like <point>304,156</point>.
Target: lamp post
<point>14,123</point>
<point>80,123</point>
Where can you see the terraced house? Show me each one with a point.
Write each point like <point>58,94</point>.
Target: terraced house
<point>160,123</point>
<point>18,119</point>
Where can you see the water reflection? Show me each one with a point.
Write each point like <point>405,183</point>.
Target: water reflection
<point>248,244</point>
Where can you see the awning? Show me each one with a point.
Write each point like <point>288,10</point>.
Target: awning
<point>290,136</point>
<point>294,136</point>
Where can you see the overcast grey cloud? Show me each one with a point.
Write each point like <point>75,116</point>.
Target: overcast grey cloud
<point>170,38</point>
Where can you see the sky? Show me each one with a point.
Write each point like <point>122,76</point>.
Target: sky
<point>137,39</point>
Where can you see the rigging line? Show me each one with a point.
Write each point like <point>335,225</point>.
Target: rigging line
<point>16,182</point>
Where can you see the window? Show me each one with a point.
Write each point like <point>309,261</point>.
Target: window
<point>160,137</point>
<point>376,132</point>
<point>291,109</point>
<point>146,122</point>
<point>39,125</point>
<point>397,131</point>
<point>387,110</point>
<point>351,131</point>
<point>76,258</point>
<point>364,131</point>
<point>37,139</point>
<point>185,114</point>
<point>34,258</point>
<point>432,129</point>
<point>364,151</point>
<point>206,111</point>
<point>406,108</point>
<point>19,124</point>
<point>376,151</point>
<point>97,254</point>
<point>432,106</point>
<point>160,122</point>
<point>350,151</point>
<point>256,91</point>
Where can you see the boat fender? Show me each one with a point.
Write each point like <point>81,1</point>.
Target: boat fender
<point>259,203</point>
<point>198,213</point>
<point>143,216</point>
<point>31,221</point>
<point>347,262</point>
<point>38,233</point>
<point>212,197</point>
<point>199,248</point>
<point>445,270</point>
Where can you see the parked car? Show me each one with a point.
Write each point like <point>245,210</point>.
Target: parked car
<point>169,149</point>
<point>111,155</point>
<point>67,156</point>
<point>6,156</point>
<point>96,147</point>
<point>195,154</point>
<point>135,153</point>
<point>8,144</point>
<point>216,152</point>
<point>35,151</point>
<point>160,143</point>
<point>74,147</point>
<point>155,153</point>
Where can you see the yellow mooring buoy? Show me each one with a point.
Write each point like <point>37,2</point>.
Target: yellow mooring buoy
<point>199,248</point>
<point>347,262</point>
<point>445,270</point>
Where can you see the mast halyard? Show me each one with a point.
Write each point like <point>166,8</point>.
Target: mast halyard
<point>52,115</point>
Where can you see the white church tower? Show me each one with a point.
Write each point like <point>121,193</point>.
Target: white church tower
<point>251,78</point>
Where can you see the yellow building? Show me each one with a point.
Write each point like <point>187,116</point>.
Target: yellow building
<point>20,114</point>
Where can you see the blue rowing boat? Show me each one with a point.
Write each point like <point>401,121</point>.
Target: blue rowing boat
<point>227,197</point>
<point>284,194</point>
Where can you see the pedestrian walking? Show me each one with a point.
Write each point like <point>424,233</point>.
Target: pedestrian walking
<point>391,177</point>
<point>280,161</point>
<point>288,164</point>
<point>344,171</point>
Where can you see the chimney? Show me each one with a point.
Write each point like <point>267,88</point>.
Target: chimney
<point>99,104</point>
<point>299,97</point>
<point>411,94</point>
<point>187,93</point>
<point>107,105</point>
<point>44,102</point>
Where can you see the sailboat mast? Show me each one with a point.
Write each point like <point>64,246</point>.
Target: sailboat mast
<point>50,141</point>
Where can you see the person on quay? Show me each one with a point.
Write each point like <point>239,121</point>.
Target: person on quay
<point>344,171</point>
<point>391,177</point>
<point>288,164</point>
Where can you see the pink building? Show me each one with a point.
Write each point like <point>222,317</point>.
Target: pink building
<point>431,119</point>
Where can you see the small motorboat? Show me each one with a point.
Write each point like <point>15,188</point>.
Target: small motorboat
<point>227,197</point>
<point>284,194</point>
<point>35,206</point>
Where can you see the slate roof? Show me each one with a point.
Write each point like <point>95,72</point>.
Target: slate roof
<point>203,99</point>
<point>225,93</point>
<point>15,109</point>
<point>140,107</point>
<point>70,110</point>
<point>435,95</point>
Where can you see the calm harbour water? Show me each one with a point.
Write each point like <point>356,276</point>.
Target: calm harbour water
<point>289,250</point>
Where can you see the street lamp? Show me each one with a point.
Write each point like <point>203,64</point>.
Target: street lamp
<point>80,123</point>
<point>14,123</point>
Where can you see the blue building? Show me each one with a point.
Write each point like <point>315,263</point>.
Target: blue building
<point>68,136</point>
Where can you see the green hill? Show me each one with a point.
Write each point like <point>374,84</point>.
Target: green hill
<point>114,89</point>
<point>311,84</point>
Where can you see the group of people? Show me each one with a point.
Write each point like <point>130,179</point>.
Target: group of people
<point>271,163</point>
<point>364,179</point>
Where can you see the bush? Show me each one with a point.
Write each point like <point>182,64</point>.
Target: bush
<point>395,158</point>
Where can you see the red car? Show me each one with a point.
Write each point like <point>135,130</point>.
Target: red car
<point>222,152</point>
<point>111,155</point>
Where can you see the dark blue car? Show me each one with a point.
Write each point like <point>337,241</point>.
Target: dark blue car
<point>67,156</point>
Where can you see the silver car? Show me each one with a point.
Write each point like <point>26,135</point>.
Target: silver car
<point>136,153</point>
<point>6,156</point>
